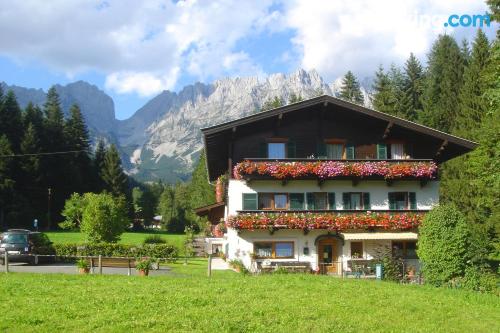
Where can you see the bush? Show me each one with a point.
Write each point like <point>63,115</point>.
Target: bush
<point>393,268</point>
<point>443,245</point>
<point>168,252</point>
<point>481,280</point>
<point>154,239</point>
<point>238,266</point>
<point>104,218</point>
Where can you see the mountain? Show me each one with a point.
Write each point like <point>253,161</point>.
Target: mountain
<point>162,139</point>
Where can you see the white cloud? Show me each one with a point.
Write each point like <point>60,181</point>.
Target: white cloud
<point>139,45</point>
<point>335,36</point>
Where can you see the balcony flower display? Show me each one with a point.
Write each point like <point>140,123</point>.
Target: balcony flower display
<point>333,169</point>
<point>328,221</point>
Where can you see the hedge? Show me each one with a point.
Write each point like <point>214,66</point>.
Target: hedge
<point>165,251</point>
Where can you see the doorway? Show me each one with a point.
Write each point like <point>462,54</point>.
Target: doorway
<point>328,256</point>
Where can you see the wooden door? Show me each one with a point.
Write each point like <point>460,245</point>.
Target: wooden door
<point>327,256</point>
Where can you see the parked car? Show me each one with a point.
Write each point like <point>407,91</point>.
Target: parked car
<point>22,244</point>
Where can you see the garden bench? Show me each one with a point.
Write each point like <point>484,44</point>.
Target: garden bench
<point>101,262</point>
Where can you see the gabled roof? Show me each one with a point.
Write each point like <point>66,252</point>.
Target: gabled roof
<point>218,133</point>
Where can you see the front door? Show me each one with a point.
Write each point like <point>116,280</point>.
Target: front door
<point>327,256</point>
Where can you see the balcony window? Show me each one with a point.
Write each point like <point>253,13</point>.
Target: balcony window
<point>274,250</point>
<point>356,200</point>
<point>397,151</point>
<point>402,200</point>
<point>320,201</point>
<point>276,150</point>
<point>273,201</point>
<point>334,151</point>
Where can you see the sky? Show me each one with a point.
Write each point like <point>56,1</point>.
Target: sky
<point>133,49</point>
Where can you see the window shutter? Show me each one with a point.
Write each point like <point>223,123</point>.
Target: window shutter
<point>297,201</point>
<point>413,200</point>
<point>346,200</point>
<point>392,201</point>
<point>366,200</point>
<point>263,150</point>
<point>249,201</point>
<point>331,201</point>
<point>310,201</point>
<point>291,153</point>
<point>349,152</point>
<point>381,151</point>
<point>321,150</point>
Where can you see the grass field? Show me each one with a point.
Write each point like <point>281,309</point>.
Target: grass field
<point>127,238</point>
<point>187,301</point>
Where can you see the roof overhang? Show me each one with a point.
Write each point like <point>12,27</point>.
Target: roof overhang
<point>205,210</point>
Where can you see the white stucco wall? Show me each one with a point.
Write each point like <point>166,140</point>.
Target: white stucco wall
<point>427,196</point>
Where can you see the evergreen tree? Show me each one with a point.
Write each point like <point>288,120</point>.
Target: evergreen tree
<point>294,98</point>
<point>472,102</point>
<point>383,99</point>
<point>465,50</point>
<point>11,120</point>
<point>6,178</point>
<point>397,86</point>
<point>31,164</point>
<point>413,87</point>
<point>33,115</point>
<point>350,90</point>
<point>115,179</point>
<point>274,103</point>
<point>77,139</point>
<point>200,191</point>
<point>98,165</point>
<point>442,84</point>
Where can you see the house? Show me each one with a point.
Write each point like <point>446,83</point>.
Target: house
<point>323,184</point>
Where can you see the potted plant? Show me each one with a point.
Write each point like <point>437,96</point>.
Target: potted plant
<point>143,267</point>
<point>83,266</point>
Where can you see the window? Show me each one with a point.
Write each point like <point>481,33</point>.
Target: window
<point>320,201</point>
<point>356,200</point>
<point>276,150</point>
<point>402,200</point>
<point>296,201</point>
<point>381,151</point>
<point>274,250</point>
<point>249,201</point>
<point>334,151</point>
<point>404,249</point>
<point>273,201</point>
<point>356,249</point>
<point>397,151</point>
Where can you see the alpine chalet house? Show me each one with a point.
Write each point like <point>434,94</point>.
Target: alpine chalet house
<point>323,185</point>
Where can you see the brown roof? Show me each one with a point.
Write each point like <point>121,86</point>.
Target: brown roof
<point>202,211</point>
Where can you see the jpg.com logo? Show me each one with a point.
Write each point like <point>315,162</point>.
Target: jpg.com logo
<point>465,20</point>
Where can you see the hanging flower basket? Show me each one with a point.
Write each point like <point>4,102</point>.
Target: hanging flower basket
<point>328,221</point>
<point>336,169</point>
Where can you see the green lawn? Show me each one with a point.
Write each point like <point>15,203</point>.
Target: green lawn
<point>187,301</point>
<point>127,238</point>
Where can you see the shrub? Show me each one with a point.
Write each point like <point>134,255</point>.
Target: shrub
<point>443,244</point>
<point>238,266</point>
<point>393,268</point>
<point>104,218</point>
<point>154,239</point>
<point>73,212</point>
<point>166,251</point>
<point>480,280</point>
<point>144,265</point>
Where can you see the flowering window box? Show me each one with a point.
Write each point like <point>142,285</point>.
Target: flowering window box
<point>329,221</point>
<point>332,169</point>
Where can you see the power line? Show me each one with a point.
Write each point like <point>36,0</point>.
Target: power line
<point>44,154</point>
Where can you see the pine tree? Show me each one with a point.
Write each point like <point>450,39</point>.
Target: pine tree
<point>31,164</point>
<point>273,103</point>
<point>442,84</point>
<point>413,87</point>
<point>472,104</point>
<point>6,178</point>
<point>397,86</point>
<point>11,120</point>
<point>112,174</point>
<point>465,51</point>
<point>200,191</point>
<point>350,90</point>
<point>383,99</point>
<point>33,115</point>
<point>294,98</point>
<point>77,139</point>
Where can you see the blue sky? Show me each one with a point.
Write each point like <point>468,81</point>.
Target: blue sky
<point>135,49</point>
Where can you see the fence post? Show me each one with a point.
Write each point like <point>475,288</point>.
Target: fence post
<point>209,265</point>
<point>6,261</point>
<point>129,272</point>
<point>36,259</point>
<point>100,264</point>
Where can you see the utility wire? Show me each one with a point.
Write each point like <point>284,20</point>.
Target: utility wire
<point>44,154</point>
